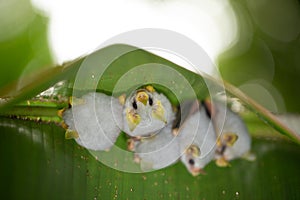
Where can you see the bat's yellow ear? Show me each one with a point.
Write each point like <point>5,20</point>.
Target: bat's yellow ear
<point>122,99</point>
<point>159,112</point>
<point>133,119</point>
<point>71,134</point>
<point>142,97</point>
<point>230,138</point>
<point>149,88</point>
<point>193,150</point>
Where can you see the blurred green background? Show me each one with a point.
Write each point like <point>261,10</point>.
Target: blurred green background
<point>24,45</point>
<point>266,53</point>
<point>264,62</point>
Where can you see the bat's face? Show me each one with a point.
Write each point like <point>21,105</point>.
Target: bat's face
<point>143,106</point>
<point>191,159</point>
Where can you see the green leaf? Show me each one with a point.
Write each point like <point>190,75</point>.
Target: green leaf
<point>44,165</point>
<point>118,68</point>
<point>38,163</point>
<point>120,59</point>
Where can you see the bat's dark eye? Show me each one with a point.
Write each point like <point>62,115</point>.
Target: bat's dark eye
<point>150,101</point>
<point>191,162</point>
<point>134,105</point>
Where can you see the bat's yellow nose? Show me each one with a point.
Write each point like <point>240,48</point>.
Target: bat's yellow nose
<point>142,97</point>
<point>197,171</point>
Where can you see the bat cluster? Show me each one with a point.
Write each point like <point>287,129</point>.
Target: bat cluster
<point>159,135</point>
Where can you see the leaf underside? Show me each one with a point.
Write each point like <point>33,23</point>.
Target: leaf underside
<point>38,163</point>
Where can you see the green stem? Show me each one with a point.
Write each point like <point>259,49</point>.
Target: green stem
<point>264,114</point>
<point>39,110</point>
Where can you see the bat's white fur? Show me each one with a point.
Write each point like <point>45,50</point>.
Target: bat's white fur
<point>97,120</point>
<point>158,151</point>
<point>232,124</point>
<point>198,130</point>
